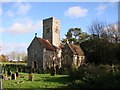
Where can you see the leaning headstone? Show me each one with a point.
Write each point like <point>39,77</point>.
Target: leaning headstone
<point>9,72</point>
<point>17,74</point>
<point>57,69</point>
<point>5,77</point>
<point>19,69</point>
<point>8,78</point>
<point>52,71</point>
<point>2,76</point>
<point>4,70</point>
<point>23,70</point>
<point>33,70</point>
<point>13,77</point>
<point>30,76</point>
<point>1,85</point>
<point>61,71</point>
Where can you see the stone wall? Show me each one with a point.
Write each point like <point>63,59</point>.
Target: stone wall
<point>35,53</point>
<point>49,58</point>
<point>47,29</point>
<point>67,56</point>
<point>51,30</point>
<point>56,32</point>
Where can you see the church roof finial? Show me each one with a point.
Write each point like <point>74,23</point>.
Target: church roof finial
<point>35,34</point>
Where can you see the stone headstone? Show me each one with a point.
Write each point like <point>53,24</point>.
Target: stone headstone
<point>52,71</point>
<point>9,72</point>
<point>33,70</point>
<point>8,78</point>
<point>2,76</point>
<point>5,77</point>
<point>4,70</point>
<point>23,70</point>
<point>17,74</point>
<point>19,69</point>
<point>13,77</point>
<point>30,76</point>
<point>1,85</point>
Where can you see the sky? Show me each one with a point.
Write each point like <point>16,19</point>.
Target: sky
<point>19,21</point>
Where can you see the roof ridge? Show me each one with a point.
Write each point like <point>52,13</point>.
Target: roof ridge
<point>46,44</point>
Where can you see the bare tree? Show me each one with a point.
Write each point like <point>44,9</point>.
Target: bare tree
<point>113,33</point>
<point>14,55</point>
<point>97,28</point>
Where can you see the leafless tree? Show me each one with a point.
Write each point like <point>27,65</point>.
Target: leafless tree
<point>113,33</point>
<point>97,28</point>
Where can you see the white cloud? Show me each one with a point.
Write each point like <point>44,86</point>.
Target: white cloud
<point>23,27</point>
<point>1,11</point>
<point>22,8</point>
<point>101,8</point>
<point>76,12</point>
<point>10,13</point>
<point>1,30</point>
<point>8,47</point>
<point>18,8</point>
<point>113,0</point>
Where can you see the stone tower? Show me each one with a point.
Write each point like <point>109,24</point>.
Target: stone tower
<point>51,30</point>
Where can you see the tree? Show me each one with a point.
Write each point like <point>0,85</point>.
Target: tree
<point>113,33</point>
<point>98,48</point>
<point>75,35</point>
<point>14,55</point>
<point>3,58</point>
<point>97,28</point>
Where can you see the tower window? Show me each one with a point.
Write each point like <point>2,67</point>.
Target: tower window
<point>47,30</point>
<point>56,29</point>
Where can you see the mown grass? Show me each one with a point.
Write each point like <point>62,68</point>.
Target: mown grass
<point>16,63</point>
<point>40,81</point>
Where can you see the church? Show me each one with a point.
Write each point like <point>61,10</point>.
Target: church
<point>49,51</point>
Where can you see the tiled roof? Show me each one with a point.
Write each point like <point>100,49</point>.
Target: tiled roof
<point>46,44</point>
<point>76,49</point>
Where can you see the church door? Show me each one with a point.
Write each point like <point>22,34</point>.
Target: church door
<point>35,64</point>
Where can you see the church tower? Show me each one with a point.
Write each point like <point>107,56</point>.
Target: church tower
<point>51,30</point>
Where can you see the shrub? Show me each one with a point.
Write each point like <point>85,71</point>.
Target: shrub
<point>92,76</point>
<point>52,71</point>
<point>37,71</point>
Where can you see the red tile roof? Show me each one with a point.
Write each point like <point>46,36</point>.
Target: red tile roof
<point>47,44</point>
<point>76,49</point>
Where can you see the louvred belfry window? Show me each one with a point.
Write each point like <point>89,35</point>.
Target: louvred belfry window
<point>47,30</point>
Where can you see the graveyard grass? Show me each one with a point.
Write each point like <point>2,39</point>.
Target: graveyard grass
<point>40,81</point>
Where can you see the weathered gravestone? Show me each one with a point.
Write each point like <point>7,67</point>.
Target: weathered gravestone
<point>23,69</point>
<point>17,74</point>
<point>4,70</point>
<point>1,85</point>
<point>19,69</point>
<point>52,71</point>
<point>31,76</point>
<point>13,77</point>
<point>57,69</point>
<point>61,71</point>
<point>8,72</point>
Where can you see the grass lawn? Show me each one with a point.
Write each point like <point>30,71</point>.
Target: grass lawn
<point>40,81</point>
<point>17,63</point>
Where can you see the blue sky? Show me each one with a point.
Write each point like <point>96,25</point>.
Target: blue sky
<point>21,20</point>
